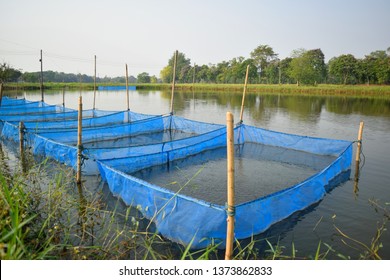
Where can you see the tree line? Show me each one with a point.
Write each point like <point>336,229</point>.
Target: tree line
<point>9,74</point>
<point>302,67</point>
<point>265,67</point>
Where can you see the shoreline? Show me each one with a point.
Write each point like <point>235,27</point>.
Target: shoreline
<point>381,91</point>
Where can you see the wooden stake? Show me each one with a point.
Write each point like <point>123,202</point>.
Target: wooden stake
<point>42,95</point>
<point>1,93</point>
<point>230,187</point>
<point>21,138</point>
<point>173,81</point>
<point>79,141</point>
<point>127,89</point>
<point>193,77</point>
<point>94,87</point>
<point>357,160</point>
<point>243,95</point>
<point>21,146</point>
<point>63,96</point>
<point>359,145</point>
<point>193,84</point>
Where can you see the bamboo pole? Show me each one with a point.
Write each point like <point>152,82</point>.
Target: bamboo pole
<point>173,81</point>
<point>193,77</point>
<point>359,145</point>
<point>230,186</point>
<point>1,93</point>
<point>127,89</point>
<point>243,94</point>
<point>41,61</point>
<point>79,141</point>
<point>21,138</point>
<point>94,86</point>
<point>357,159</point>
<point>21,146</point>
<point>63,96</point>
<point>193,85</point>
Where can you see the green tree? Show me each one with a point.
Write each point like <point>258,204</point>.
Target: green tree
<point>308,67</point>
<point>220,73</point>
<point>183,66</point>
<point>284,65</point>
<point>262,57</point>
<point>234,70</point>
<point>166,74</point>
<point>9,74</point>
<point>202,74</point>
<point>343,68</point>
<point>30,77</point>
<point>381,66</point>
<point>143,78</point>
<point>272,72</point>
<point>374,68</point>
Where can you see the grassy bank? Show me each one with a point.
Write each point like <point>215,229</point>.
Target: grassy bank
<point>322,89</point>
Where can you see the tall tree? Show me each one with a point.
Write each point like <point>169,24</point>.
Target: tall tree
<point>262,56</point>
<point>375,68</point>
<point>284,66</point>
<point>183,66</point>
<point>308,67</point>
<point>381,66</point>
<point>166,74</point>
<point>343,68</point>
<point>143,78</point>
<point>8,74</point>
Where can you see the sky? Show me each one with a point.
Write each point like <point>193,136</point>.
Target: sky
<point>145,33</point>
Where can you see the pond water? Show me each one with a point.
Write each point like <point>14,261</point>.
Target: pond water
<point>348,207</point>
<point>259,171</point>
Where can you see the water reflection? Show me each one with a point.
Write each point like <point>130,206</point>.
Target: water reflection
<point>264,107</point>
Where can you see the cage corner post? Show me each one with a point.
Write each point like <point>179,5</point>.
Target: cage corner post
<point>357,158</point>
<point>79,142</point>
<point>230,208</point>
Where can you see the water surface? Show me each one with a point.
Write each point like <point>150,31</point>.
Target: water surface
<point>347,206</point>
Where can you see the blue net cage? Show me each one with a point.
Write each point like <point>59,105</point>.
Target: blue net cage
<point>188,220</point>
<point>127,148</point>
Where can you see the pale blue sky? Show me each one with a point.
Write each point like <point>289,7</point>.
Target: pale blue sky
<point>144,34</point>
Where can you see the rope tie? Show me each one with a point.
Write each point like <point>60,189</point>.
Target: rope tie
<point>81,154</point>
<point>80,148</point>
<point>230,210</point>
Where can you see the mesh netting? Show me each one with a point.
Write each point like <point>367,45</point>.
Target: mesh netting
<point>7,106</point>
<point>6,101</point>
<point>92,119</point>
<point>187,219</point>
<point>42,108</point>
<point>130,156</point>
<point>114,135</point>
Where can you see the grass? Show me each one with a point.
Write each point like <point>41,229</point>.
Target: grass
<point>44,215</point>
<point>322,89</point>
<point>382,91</point>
